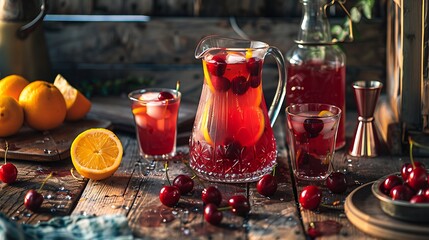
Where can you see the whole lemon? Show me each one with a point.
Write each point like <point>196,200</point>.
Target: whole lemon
<point>11,116</point>
<point>12,85</point>
<point>44,105</point>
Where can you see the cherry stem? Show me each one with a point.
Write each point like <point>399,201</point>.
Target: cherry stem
<point>5,151</point>
<point>44,181</point>
<point>195,175</point>
<point>412,143</point>
<point>177,88</point>
<point>166,172</point>
<point>224,208</point>
<point>411,151</point>
<point>274,170</point>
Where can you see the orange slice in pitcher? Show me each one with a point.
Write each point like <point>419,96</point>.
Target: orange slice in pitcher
<point>247,124</point>
<point>207,77</point>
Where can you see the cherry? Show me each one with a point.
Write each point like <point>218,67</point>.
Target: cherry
<point>407,167</point>
<point>310,197</point>
<point>184,183</point>
<point>239,85</point>
<point>211,195</point>
<point>418,178</point>
<point>401,192</point>
<point>169,195</point>
<point>8,173</point>
<point>418,199</point>
<point>255,81</point>
<point>233,150</point>
<point>390,182</point>
<point>313,127</point>
<point>239,205</point>
<point>218,65</point>
<point>267,185</point>
<point>336,182</point>
<point>33,200</point>
<point>212,215</point>
<point>165,95</point>
<point>425,193</point>
<point>254,65</point>
<point>220,83</point>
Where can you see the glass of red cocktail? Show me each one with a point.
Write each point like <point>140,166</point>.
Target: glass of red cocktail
<point>312,131</point>
<point>155,113</point>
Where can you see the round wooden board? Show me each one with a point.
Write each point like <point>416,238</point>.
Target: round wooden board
<point>363,210</point>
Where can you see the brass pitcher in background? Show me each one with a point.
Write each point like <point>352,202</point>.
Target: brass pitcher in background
<point>22,42</point>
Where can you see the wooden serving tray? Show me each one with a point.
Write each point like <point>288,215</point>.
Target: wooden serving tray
<point>363,210</point>
<point>52,145</point>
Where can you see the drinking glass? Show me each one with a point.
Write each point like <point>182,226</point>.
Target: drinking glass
<point>155,112</point>
<point>312,131</point>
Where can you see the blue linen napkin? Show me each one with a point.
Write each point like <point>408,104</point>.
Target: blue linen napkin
<point>113,227</point>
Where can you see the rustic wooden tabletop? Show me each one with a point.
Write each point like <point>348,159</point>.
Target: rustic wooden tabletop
<point>134,191</point>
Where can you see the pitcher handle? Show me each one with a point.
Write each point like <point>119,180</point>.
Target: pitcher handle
<point>25,30</point>
<point>278,99</point>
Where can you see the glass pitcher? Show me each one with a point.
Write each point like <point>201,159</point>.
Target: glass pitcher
<point>232,139</point>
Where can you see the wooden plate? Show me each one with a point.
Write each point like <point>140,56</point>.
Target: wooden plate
<point>53,145</point>
<point>363,210</point>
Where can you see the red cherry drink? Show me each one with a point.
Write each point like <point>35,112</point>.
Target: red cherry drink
<point>312,139</point>
<point>232,140</point>
<point>156,122</point>
<point>314,82</point>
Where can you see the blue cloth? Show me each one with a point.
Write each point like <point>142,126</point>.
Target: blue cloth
<point>113,227</point>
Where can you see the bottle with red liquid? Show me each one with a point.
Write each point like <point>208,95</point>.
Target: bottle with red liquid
<point>316,70</point>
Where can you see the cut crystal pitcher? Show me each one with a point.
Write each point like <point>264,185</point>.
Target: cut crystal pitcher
<point>232,139</point>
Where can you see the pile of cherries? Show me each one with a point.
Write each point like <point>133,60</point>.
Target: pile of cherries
<point>239,84</point>
<point>412,185</point>
<point>311,196</point>
<point>212,197</point>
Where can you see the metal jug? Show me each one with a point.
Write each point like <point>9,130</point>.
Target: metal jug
<point>22,42</point>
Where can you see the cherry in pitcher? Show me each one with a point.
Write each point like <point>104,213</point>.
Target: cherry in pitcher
<point>232,138</point>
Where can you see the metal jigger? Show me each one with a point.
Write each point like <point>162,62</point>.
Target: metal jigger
<point>366,142</point>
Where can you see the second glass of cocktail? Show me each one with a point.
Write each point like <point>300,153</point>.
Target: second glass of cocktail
<point>312,131</point>
<point>155,114</point>
<point>232,138</point>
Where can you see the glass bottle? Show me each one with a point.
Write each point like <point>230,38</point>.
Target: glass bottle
<point>316,70</point>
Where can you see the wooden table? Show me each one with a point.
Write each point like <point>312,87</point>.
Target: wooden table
<point>134,189</point>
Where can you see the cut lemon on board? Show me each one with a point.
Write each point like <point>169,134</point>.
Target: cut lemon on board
<point>96,153</point>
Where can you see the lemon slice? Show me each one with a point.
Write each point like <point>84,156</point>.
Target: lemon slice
<point>96,153</point>
<point>207,77</point>
<point>325,113</point>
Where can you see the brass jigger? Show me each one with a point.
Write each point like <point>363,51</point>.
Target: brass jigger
<point>366,142</point>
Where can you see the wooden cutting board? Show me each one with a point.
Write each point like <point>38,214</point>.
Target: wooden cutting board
<point>52,145</point>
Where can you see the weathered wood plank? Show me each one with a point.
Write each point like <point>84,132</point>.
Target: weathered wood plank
<point>61,191</point>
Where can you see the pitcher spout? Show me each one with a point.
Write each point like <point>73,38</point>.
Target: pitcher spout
<point>216,43</point>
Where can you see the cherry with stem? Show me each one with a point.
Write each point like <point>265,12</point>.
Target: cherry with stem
<point>8,171</point>
<point>169,194</point>
<point>417,179</point>
<point>33,199</point>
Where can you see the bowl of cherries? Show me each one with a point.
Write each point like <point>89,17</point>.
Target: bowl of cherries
<point>405,195</point>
